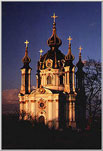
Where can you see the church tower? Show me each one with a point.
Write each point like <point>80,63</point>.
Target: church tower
<point>80,98</point>
<point>26,73</point>
<point>69,70</point>
<point>70,86</point>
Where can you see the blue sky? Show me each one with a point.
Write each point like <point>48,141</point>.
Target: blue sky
<point>32,21</point>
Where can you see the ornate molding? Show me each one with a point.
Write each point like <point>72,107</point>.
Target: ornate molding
<point>42,104</point>
<point>49,63</point>
<point>57,100</point>
<point>33,101</point>
<point>22,102</point>
<point>50,100</point>
<point>42,90</point>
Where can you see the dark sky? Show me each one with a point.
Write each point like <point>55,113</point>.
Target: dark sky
<point>32,21</point>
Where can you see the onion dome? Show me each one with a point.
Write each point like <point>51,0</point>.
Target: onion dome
<point>54,58</point>
<point>69,57</point>
<point>54,40</point>
<point>80,63</point>
<point>80,75</point>
<point>26,60</point>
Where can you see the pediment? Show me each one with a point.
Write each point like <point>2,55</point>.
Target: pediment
<point>41,90</point>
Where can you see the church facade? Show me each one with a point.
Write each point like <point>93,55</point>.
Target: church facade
<point>59,97</point>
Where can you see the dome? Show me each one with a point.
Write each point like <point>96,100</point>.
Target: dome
<point>69,57</point>
<point>80,64</point>
<point>55,55</point>
<point>54,40</point>
<point>26,60</point>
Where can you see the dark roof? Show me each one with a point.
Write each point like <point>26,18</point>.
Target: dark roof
<point>54,40</point>
<point>51,55</point>
<point>55,55</point>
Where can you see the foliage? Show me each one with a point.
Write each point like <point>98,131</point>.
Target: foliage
<point>93,88</point>
<point>21,134</point>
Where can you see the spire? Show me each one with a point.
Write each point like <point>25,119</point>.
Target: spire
<point>26,60</point>
<point>54,40</point>
<point>41,51</point>
<point>69,55</point>
<point>26,51</point>
<point>80,48</point>
<point>80,63</point>
<point>80,73</point>
<point>54,24</point>
<point>69,52</point>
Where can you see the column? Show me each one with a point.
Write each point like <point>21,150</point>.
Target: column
<point>70,111</point>
<point>29,81</point>
<point>21,110</point>
<point>33,109</point>
<point>73,111</point>
<point>67,78</point>
<point>50,110</point>
<point>57,114</point>
<point>44,79</point>
<point>55,79</point>
<point>23,83</point>
<point>26,109</point>
<point>73,80</point>
<point>65,82</point>
<point>49,113</point>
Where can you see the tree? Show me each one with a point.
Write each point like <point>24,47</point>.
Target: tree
<point>93,88</point>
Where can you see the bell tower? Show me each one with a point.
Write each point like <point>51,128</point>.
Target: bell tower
<point>80,98</point>
<point>26,73</point>
<point>70,87</point>
<point>69,70</point>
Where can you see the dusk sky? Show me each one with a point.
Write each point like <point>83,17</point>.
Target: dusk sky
<point>32,21</point>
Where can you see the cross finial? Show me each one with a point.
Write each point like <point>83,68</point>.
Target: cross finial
<point>54,17</point>
<point>26,42</point>
<point>41,51</point>
<point>80,48</point>
<point>69,39</point>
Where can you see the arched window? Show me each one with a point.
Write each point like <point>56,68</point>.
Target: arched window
<point>61,79</point>
<point>49,80</point>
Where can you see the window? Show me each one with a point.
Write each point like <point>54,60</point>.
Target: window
<point>49,80</point>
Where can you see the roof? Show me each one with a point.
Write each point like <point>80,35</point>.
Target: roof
<point>56,55</point>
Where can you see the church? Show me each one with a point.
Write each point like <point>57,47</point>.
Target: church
<point>59,98</point>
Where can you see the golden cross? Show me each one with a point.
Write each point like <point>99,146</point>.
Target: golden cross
<point>41,51</point>
<point>26,42</point>
<point>69,39</point>
<point>80,48</point>
<point>54,17</point>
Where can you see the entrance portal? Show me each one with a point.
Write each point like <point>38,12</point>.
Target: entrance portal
<point>41,119</point>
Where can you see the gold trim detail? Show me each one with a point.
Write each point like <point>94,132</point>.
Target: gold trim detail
<point>57,100</point>
<point>33,101</point>
<point>50,100</point>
